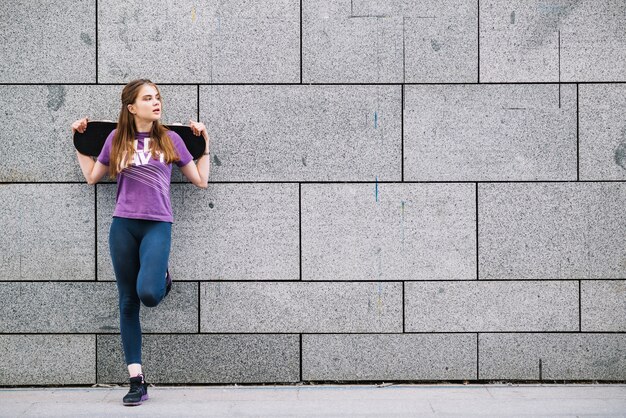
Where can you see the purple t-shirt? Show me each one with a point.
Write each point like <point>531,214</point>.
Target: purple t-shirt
<point>143,188</point>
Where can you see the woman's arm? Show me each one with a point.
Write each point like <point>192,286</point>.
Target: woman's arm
<point>199,174</point>
<point>93,171</point>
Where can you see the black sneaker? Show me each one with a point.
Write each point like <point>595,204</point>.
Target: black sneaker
<point>138,391</point>
<point>168,282</point>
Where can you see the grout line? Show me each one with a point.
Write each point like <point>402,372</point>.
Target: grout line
<point>403,312</point>
<point>300,230</point>
<point>620,279</point>
<point>577,136</point>
<point>96,359</point>
<point>344,182</point>
<point>477,264</point>
<point>402,135</point>
<point>300,357</point>
<point>198,102</point>
<point>580,317</point>
<point>478,41</point>
<point>96,41</point>
<point>577,333</point>
<point>300,41</point>
<point>512,83</point>
<point>95,212</point>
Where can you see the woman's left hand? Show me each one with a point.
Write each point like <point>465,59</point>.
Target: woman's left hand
<point>198,129</point>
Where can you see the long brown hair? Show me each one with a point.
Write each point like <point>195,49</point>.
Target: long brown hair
<point>122,149</point>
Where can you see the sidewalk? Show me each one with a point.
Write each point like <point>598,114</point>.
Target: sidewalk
<point>401,400</point>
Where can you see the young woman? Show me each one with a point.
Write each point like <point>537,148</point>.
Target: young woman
<point>139,154</point>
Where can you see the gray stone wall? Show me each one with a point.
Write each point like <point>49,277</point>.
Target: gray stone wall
<point>400,191</point>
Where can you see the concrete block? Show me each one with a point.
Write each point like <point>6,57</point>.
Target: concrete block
<point>202,358</point>
<point>603,305</point>
<point>353,357</point>
<point>49,154</point>
<point>301,307</point>
<point>551,230</point>
<point>602,131</point>
<point>566,356</point>
<point>304,133</point>
<point>210,42</point>
<point>47,359</point>
<point>388,231</point>
<point>47,232</point>
<point>396,41</point>
<point>48,43</point>
<point>90,307</point>
<point>519,41</point>
<point>226,232</point>
<point>490,132</point>
<point>491,306</point>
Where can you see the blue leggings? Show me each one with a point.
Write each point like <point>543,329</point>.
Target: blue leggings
<point>139,250</point>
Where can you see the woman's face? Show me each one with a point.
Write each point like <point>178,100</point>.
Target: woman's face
<point>147,106</point>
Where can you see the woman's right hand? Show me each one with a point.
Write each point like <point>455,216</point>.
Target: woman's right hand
<point>80,125</point>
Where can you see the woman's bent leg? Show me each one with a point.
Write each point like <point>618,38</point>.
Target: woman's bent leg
<point>124,249</point>
<point>154,253</point>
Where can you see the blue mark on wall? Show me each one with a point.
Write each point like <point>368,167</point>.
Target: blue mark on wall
<point>376,189</point>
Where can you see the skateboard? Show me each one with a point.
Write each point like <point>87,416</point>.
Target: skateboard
<point>92,140</point>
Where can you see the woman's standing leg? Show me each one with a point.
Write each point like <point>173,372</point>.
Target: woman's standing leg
<point>124,248</point>
<point>154,251</point>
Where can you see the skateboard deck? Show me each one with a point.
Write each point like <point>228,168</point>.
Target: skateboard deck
<point>92,140</point>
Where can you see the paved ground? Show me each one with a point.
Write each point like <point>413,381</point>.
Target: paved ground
<point>402,400</point>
